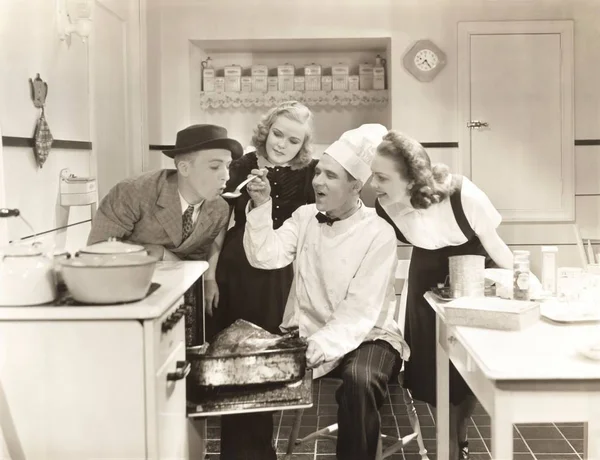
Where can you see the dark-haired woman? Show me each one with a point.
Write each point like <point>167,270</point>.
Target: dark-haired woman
<point>440,215</point>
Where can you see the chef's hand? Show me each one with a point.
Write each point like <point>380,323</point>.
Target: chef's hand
<point>314,355</point>
<point>259,189</point>
<point>211,296</point>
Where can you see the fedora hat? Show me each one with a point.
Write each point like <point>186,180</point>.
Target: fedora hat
<point>204,137</point>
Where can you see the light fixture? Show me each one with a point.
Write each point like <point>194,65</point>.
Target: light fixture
<point>74,17</point>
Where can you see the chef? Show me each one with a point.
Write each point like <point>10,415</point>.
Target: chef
<point>342,298</point>
<point>176,214</point>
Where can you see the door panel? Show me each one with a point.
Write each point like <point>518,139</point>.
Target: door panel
<point>110,98</point>
<point>517,78</point>
<point>515,87</point>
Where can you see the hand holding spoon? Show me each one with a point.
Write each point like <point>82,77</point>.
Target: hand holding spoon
<point>238,190</point>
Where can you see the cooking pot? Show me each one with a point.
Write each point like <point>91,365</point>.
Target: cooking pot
<point>98,279</point>
<point>26,276</point>
<point>111,249</point>
<point>57,256</point>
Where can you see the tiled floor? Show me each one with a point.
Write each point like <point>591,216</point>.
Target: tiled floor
<point>541,442</point>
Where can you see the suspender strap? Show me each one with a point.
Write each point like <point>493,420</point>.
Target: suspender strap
<point>457,208</point>
<point>384,215</point>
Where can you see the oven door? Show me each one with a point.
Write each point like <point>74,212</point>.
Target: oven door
<point>171,404</point>
<point>205,402</point>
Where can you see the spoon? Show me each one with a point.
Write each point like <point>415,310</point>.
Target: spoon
<point>238,190</point>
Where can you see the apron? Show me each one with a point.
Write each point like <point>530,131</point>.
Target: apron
<point>428,267</point>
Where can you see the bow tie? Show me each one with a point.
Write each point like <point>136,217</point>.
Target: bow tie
<point>325,219</point>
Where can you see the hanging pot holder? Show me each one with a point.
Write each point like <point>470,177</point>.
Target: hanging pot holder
<point>43,140</point>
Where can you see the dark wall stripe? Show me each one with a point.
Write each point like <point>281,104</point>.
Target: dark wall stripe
<point>430,145</point>
<point>10,141</point>
<point>161,147</point>
<point>440,145</point>
<point>437,145</point>
<point>587,141</point>
<point>56,229</point>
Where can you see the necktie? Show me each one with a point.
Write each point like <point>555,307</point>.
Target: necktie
<point>325,219</point>
<point>187,222</point>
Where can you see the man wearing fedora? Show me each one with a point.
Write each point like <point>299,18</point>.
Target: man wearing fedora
<point>176,214</point>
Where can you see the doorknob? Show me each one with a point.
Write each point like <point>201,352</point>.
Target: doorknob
<point>476,124</point>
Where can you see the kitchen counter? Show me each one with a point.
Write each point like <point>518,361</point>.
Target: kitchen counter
<point>175,278</point>
<point>535,375</point>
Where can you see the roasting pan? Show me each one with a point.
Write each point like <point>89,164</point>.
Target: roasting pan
<point>284,363</point>
<point>218,401</point>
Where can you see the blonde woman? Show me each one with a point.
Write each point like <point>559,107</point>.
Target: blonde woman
<point>282,140</point>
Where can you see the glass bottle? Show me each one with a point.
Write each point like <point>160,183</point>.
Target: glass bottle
<point>549,269</point>
<point>521,275</point>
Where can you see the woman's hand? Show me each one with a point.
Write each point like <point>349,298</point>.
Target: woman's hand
<point>497,249</point>
<point>259,189</point>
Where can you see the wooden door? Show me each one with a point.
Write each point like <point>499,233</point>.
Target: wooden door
<point>516,116</point>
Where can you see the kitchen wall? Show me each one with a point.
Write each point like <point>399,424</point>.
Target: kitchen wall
<point>29,44</point>
<point>426,111</point>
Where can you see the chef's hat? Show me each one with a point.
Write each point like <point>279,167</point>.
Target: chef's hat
<point>355,149</point>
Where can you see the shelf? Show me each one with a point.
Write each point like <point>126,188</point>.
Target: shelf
<point>290,45</point>
<point>310,98</point>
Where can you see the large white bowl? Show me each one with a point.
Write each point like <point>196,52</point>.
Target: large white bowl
<point>100,281</point>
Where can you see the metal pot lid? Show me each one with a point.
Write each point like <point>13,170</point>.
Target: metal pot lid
<point>21,251</point>
<point>112,246</point>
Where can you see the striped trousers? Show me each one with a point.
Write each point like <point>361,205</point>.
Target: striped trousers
<point>365,373</point>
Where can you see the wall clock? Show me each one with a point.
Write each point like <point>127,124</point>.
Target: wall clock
<point>424,60</point>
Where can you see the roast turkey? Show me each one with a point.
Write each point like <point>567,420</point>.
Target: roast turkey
<point>243,337</point>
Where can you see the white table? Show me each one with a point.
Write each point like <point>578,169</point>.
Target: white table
<point>531,376</point>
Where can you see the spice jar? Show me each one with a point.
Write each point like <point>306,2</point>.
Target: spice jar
<point>521,275</point>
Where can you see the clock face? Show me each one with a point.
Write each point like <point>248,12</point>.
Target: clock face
<point>426,60</point>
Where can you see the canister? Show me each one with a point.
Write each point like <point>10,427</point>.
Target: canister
<point>299,83</point>
<point>233,78</point>
<point>365,73</point>
<point>467,276</point>
<point>219,84</point>
<point>259,70</point>
<point>246,84</point>
<point>208,80</point>
<point>272,84</point>
<point>285,76</point>
<point>339,75</point>
<point>326,83</point>
<point>378,77</point>
<point>259,84</point>
<point>353,83</point>
<point>259,78</point>
<point>312,77</point>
